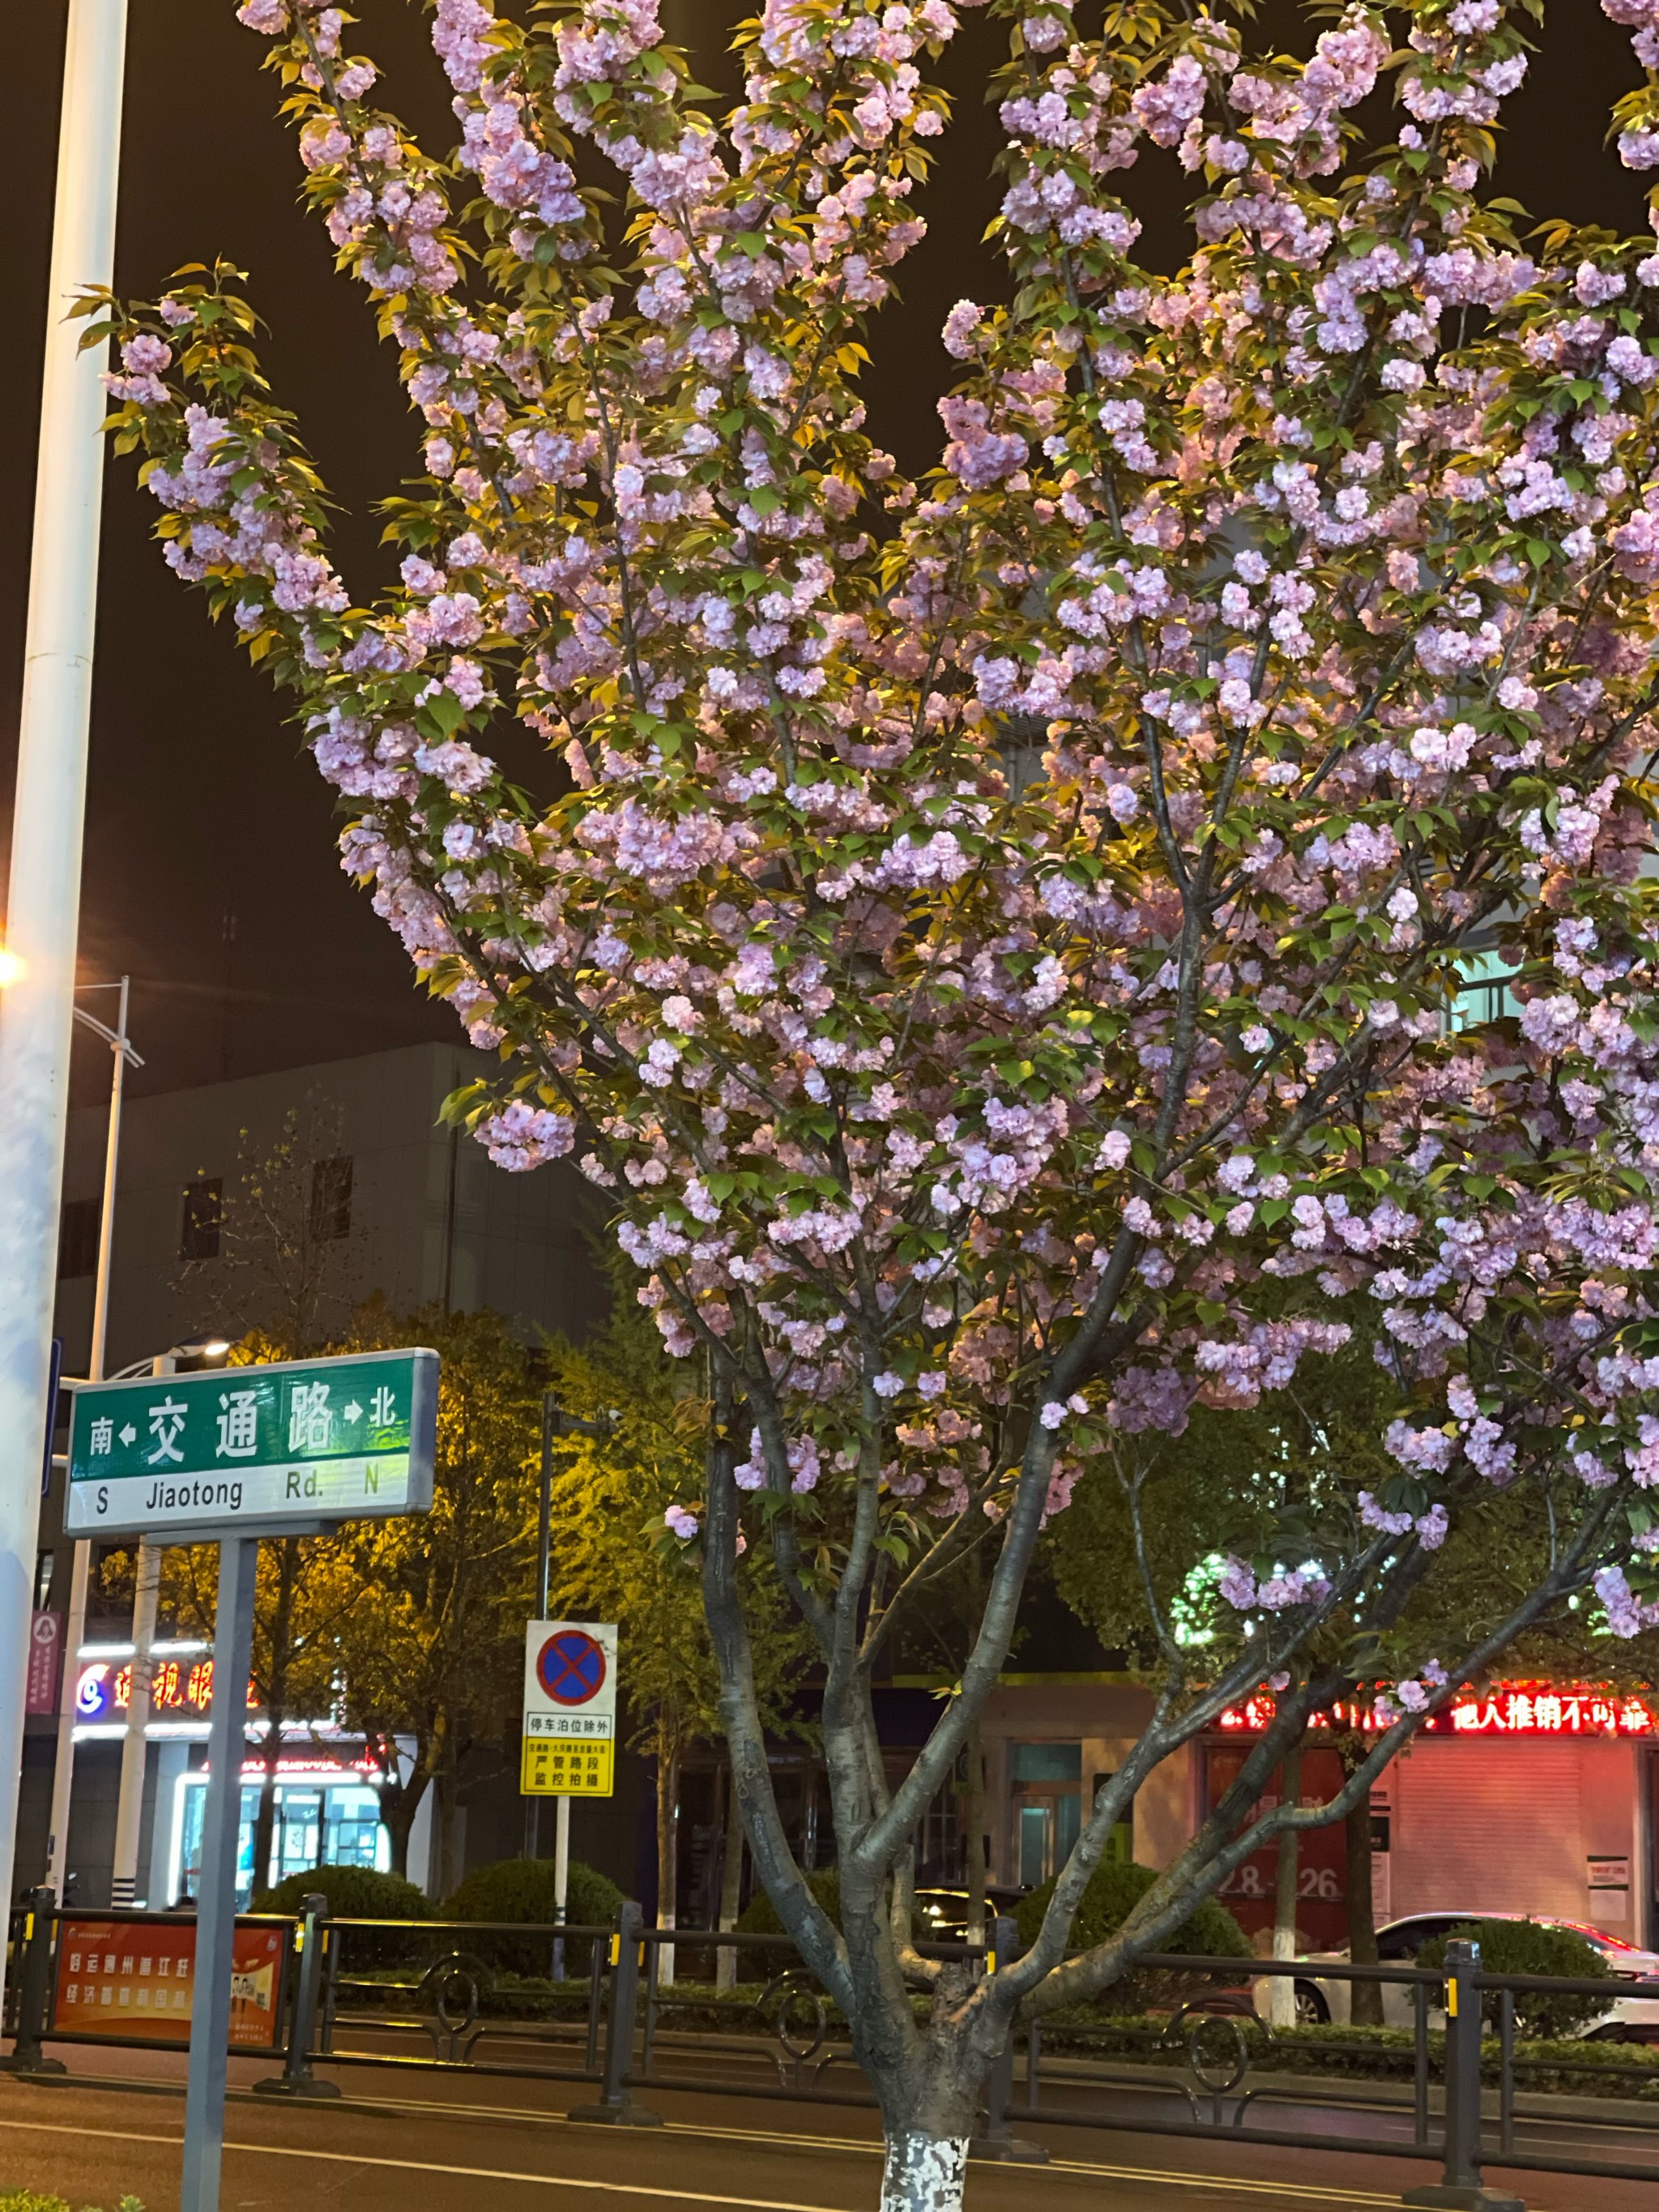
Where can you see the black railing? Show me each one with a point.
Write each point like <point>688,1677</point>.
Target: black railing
<point>440,1996</point>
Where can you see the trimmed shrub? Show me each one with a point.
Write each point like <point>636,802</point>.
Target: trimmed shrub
<point>522,1890</point>
<point>760,1915</point>
<point>1116,1888</point>
<point>354,1893</point>
<point>27,2200</point>
<point>1526,1947</point>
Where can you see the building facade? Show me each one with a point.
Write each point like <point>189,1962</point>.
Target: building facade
<point>397,1204</point>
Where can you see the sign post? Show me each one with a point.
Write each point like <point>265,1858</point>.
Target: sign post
<point>569,1747</point>
<point>215,1907</point>
<point>229,1457</point>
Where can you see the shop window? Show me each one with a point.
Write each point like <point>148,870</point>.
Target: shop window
<point>317,1824</point>
<point>1046,1797</point>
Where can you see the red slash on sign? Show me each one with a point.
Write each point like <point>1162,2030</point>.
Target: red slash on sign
<point>570,1667</point>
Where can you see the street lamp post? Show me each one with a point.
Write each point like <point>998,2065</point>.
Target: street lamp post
<point>63,1772</point>
<point>44,894</point>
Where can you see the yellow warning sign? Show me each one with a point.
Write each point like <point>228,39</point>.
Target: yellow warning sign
<point>563,1767</point>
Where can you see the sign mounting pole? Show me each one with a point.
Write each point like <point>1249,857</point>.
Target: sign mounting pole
<point>215,1907</point>
<point>569,1747</point>
<point>287,1448</point>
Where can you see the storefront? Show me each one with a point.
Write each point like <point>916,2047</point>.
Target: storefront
<point>327,1799</point>
<point>1529,1798</point>
<point>327,1814</point>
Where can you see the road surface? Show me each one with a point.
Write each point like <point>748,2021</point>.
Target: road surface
<point>496,2146</point>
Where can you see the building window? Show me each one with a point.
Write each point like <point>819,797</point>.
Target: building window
<point>331,1199</point>
<point>198,1232</point>
<point>1046,1790</point>
<point>77,1237</point>
<point>1485,995</point>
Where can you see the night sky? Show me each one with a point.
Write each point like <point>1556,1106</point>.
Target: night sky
<point>210,870</point>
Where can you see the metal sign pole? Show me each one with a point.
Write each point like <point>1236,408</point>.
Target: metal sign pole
<point>215,1904</point>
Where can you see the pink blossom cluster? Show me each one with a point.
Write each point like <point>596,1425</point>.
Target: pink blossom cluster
<point>1020,942</point>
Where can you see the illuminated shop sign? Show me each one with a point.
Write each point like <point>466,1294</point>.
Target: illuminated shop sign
<point>180,1688</point>
<point>1508,1709</point>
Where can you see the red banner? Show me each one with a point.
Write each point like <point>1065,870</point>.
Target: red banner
<point>46,1662</point>
<point>133,1980</point>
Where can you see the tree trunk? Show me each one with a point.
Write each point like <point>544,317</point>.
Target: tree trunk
<point>265,1820</point>
<point>446,1792</point>
<point>1282,1993</point>
<point>668,1837</point>
<point>726,1965</point>
<point>1367,1997</point>
<point>974,1808</point>
<point>276,1676</point>
<point>923,2172</point>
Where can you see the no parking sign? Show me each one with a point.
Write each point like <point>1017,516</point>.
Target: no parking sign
<point>569,1709</point>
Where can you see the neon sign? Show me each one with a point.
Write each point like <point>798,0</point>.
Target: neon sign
<point>1508,1709</point>
<point>183,1687</point>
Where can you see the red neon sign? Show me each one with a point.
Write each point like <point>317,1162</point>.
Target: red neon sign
<point>1508,1709</point>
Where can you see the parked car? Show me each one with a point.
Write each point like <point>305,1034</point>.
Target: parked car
<point>1320,1999</point>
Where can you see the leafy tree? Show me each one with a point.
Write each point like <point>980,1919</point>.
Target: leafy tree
<point>284,1276</point>
<point>429,1637</point>
<point>638,1448</point>
<point>1003,940</point>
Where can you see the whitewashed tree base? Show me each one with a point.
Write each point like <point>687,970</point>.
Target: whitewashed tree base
<point>924,2173</point>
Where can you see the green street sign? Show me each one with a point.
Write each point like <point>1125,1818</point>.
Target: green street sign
<point>253,1450</point>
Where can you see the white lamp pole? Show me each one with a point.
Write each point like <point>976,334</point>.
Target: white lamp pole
<point>43,908</point>
<point>63,1772</point>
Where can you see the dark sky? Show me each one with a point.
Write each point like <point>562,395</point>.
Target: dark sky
<point>202,804</point>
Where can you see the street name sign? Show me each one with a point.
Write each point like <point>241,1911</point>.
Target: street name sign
<point>569,1710</point>
<point>248,1451</point>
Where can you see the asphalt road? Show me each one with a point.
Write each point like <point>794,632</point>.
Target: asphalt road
<point>496,2145</point>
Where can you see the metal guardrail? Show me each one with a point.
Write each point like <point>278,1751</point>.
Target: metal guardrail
<point>432,1979</point>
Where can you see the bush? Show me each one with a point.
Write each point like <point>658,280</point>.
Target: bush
<point>1526,1947</point>
<point>1116,1888</point>
<point>522,1890</point>
<point>354,1893</point>
<point>760,1915</point>
<point>25,2200</point>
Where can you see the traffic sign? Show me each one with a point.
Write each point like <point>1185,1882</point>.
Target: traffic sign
<point>569,1709</point>
<point>556,1767</point>
<point>251,1451</point>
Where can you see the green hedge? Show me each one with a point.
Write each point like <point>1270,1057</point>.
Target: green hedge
<point>522,1890</point>
<point>354,1893</point>
<point>760,1915</point>
<point>25,2200</point>
<point>1523,1947</point>
<point>1115,1888</point>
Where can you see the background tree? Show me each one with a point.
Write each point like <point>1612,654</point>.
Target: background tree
<point>969,1107</point>
<point>288,1262</point>
<point>283,1276</point>
<point>615,1557</point>
<point>429,1643</point>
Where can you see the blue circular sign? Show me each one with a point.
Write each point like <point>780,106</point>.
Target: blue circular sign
<point>570,1667</point>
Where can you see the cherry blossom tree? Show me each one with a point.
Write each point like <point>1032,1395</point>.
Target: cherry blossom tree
<point>1003,940</point>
